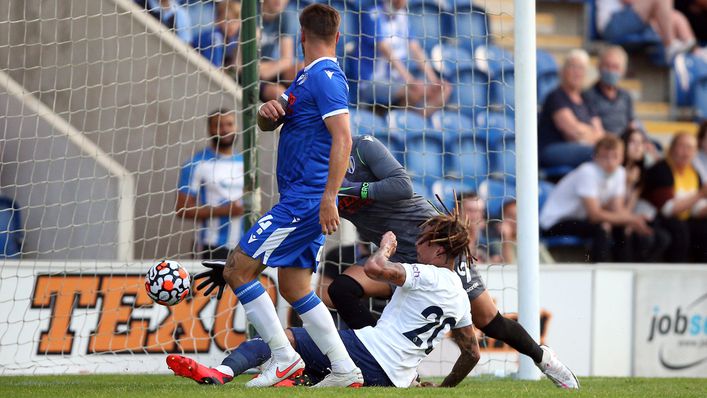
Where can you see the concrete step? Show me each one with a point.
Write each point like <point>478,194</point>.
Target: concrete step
<point>551,43</point>
<point>652,110</point>
<point>503,23</point>
<point>668,128</point>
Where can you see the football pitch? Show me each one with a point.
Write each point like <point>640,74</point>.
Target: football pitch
<point>115,386</point>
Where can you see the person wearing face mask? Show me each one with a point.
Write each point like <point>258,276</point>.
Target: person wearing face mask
<point>590,202</point>
<point>568,127</point>
<point>210,189</point>
<point>674,188</point>
<point>612,104</point>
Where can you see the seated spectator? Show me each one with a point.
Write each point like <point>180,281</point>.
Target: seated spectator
<point>171,15</point>
<point>219,43</point>
<point>590,202</point>
<point>617,19</point>
<point>568,127</point>
<point>384,76</point>
<point>696,13</point>
<point>473,207</point>
<point>277,48</point>
<point>612,104</point>
<point>674,188</point>
<point>210,189</point>
<point>509,232</point>
<point>701,158</point>
<point>651,247</point>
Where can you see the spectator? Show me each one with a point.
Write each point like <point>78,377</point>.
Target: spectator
<point>617,19</point>
<point>171,15</point>
<point>568,126</point>
<point>277,48</point>
<point>590,202</point>
<point>701,158</point>
<point>219,43</point>
<point>384,76</point>
<point>674,188</point>
<point>473,207</point>
<point>612,104</point>
<point>509,232</point>
<point>648,248</point>
<point>211,189</point>
<point>696,13</point>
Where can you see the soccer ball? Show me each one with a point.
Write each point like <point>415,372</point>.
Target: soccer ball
<point>167,282</point>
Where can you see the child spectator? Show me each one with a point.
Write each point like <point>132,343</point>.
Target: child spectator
<point>590,202</point>
<point>674,188</point>
<point>648,248</point>
<point>386,46</point>
<point>568,126</point>
<point>612,104</point>
<point>617,19</point>
<point>219,43</point>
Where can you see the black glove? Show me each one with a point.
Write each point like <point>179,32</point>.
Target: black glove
<point>214,277</point>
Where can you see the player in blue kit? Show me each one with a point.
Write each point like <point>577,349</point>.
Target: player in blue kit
<point>313,154</point>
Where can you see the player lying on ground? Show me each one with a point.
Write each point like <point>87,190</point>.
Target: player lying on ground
<point>379,197</point>
<point>313,149</point>
<point>428,301</point>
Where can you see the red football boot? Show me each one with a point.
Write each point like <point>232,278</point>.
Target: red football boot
<point>191,369</point>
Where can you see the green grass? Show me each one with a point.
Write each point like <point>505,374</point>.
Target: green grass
<point>119,386</point>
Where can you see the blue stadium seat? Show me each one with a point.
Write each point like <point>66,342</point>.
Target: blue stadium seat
<point>424,19</point>
<point>467,24</point>
<point>424,156</point>
<point>496,193</point>
<point>471,93</point>
<point>452,61</point>
<point>498,64</point>
<point>503,159</point>
<point>365,122</point>
<point>447,188</point>
<point>10,229</point>
<point>547,74</point>
<point>467,158</point>
<point>495,126</point>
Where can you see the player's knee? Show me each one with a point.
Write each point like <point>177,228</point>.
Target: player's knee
<point>232,274</point>
<point>344,289</point>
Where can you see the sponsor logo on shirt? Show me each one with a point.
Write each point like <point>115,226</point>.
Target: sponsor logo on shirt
<point>329,73</point>
<point>415,271</point>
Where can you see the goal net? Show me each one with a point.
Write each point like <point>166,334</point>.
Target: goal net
<point>104,120</point>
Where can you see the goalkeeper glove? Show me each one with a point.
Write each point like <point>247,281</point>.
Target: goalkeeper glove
<point>213,277</point>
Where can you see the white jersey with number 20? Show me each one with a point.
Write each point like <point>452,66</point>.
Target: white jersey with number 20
<point>430,303</point>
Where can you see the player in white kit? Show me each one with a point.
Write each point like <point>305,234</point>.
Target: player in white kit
<point>429,302</point>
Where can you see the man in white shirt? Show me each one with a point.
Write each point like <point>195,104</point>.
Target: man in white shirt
<point>210,189</point>
<point>428,302</point>
<point>590,202</point>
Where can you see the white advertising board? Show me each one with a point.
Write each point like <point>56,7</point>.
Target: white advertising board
<point>670,338</point>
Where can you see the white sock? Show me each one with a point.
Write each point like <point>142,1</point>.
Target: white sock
<point>225,370</point>
<point>261,313</point>
<point>320,326</point>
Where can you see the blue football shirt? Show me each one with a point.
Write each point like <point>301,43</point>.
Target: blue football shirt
<point>319,91</point>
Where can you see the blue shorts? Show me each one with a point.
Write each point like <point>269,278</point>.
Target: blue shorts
<point>624,23</point>
<point>289,235</point>
<point>317,364</point>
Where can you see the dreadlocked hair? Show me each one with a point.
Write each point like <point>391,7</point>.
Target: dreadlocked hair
<point>450,231</point>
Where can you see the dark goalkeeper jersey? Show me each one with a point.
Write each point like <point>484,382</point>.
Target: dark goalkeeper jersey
<point>391,204</point>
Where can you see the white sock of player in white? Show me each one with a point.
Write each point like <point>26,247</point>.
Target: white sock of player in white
<point>260,311</point>
<point>317,320</point>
